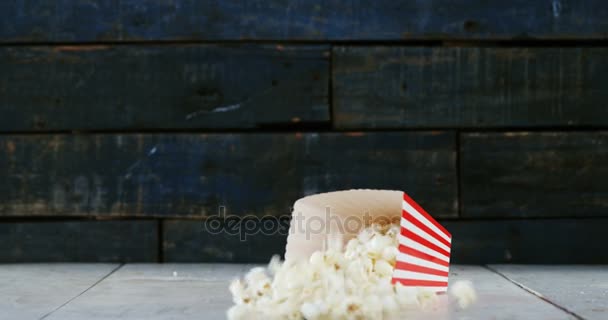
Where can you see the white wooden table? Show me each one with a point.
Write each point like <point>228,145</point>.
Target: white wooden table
<point>200,291</point>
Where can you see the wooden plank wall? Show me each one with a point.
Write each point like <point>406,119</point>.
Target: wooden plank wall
<point>127,126</point>
<point>140,87</point>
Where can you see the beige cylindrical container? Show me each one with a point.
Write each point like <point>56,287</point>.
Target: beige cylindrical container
<point>339,214</point>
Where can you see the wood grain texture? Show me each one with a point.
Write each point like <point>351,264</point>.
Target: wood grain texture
<point>580,289</point>
<point>240,241</point>
<point>474,241</point>
<point>167,87</point>
<point>196,174</point>
<point>79,241</point>
<point>137,20</point>
<point>157,292</point>
<point>538,241</point>
<point>397,87</point>
<point>32,291</point>
<point>540,174</point>
<point>497,299</point>
<point>154,292</point>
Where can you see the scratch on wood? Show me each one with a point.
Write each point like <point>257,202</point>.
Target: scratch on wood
<point>10,147</point>
<point>129,171</point>
<point>246,101</point>
<point>80,48</point>
<point>227,108</point>
<point>355,134</point>
<point>557,8</point>
<point>197,113</point>
<point>152,151</point>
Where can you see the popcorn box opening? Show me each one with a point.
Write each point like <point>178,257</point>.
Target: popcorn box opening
<point>424,247</point>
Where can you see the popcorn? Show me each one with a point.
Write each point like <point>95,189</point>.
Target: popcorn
<point>350,282</point>
<point>464,293</point>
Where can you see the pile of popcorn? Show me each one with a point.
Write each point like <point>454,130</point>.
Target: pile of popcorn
<point>338,283</point>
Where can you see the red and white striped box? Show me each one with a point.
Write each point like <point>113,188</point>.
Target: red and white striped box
<point>424,250</point>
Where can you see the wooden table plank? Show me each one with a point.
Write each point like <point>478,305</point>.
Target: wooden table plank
<point>132,20</point>
<point>79,241</point>
<point>30,291</point>
<point>112,87</point>
<point>497,299</point>
<point>201,291</point>
<point>534,174</point>
<point>440,87</point>
<point>150,292</point>
<point>582,290</point>
<point>193,175</point>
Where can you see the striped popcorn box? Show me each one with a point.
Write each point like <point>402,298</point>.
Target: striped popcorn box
<point>424,250</point>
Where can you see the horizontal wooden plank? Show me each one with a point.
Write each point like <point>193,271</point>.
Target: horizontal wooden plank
<point>136,20</point>
<point>473,241</point>
<point>196,174</point>
<point>396,87</point>
<point>194,241</point>
<point>33,291</point>
<point>581,290</point>
<point>537,241</point>
<point>79,241</point>
<point>497,299</point>
<point>540,174</point>
<point>168,87</point>
<point>157,292</point>
<point>185,292</point>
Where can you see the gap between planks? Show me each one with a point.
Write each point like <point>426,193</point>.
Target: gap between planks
<point>429,41</point>
<point>309,127</point>
<point>83,292</point>
<point>534,293</point>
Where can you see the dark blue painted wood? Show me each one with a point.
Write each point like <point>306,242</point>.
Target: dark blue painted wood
<point>135,20</point>
<point>538,241</point>
<point>473,241</point>
<point>534,174</point>
<point>79,241</point>
<point>414,87</point>
<point>173,87</point>
<point>189,241</point>
<point>194,174</point>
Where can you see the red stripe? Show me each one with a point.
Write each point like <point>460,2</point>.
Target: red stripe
<point>411,235</point>
<point>418,254</point>
<point>420,269</point>
<point>421,283</point>
<point>424,228</point>
<point>425,214</point>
